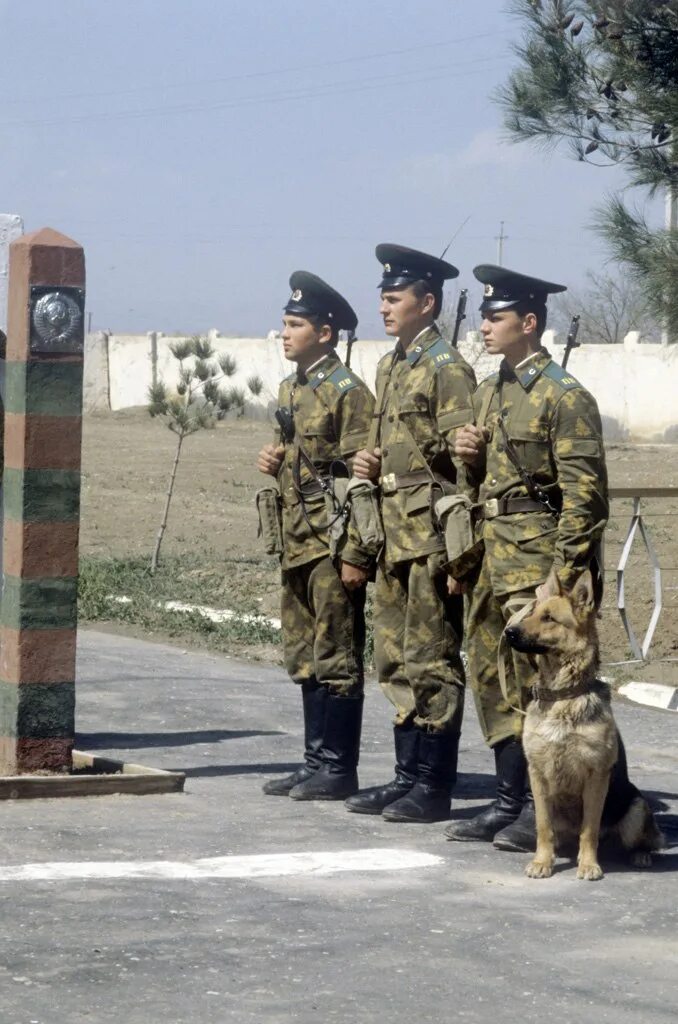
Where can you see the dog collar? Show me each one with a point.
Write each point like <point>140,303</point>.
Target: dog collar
<point>567,693</point>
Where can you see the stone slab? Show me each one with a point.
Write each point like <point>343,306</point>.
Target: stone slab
<point>653,695</point>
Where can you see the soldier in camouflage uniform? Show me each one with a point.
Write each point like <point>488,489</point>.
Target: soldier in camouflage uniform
<point>325,411</point>
<point>536,465</point>
<point>424,392</point>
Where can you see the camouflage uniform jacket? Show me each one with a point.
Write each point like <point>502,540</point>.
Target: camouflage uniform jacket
<point>555,428</point>
<point>332,410</point>
<point>426,397</point>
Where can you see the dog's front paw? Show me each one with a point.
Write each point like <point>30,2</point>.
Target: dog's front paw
<point>641,859</point>
<point>589,872</point>
<point>539,868</point>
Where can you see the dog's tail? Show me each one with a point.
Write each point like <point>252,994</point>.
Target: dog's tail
<point>638,829</point>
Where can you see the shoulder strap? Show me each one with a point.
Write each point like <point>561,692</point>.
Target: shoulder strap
<point>557,373</point>
<point>343,379</point>
<point>486,403</point>
<point>536,492</point>
<point>374,433</point>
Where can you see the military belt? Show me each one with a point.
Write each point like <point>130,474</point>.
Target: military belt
<point>292,497</point>
<point>392,482</point>
<point>494,507</point>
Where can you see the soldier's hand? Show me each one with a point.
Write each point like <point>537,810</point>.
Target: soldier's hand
<point>367,465</point>
<point>353,577</point>
<point>456,587</point>
<point>270,459</point>
<point>469,444</point>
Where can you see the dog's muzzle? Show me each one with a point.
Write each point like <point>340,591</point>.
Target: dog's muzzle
<point>519,642</point>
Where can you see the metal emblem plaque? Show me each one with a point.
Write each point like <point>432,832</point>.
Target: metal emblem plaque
<point>57,319</point>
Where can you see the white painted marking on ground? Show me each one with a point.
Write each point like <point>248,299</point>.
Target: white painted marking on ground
<point>653,695</point>
<point>274,865</point>
<point>213,614</point>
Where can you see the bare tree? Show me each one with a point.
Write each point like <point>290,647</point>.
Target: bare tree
<point>609,307</point>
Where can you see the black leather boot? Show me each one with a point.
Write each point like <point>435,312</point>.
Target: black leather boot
<point>374,799</point>
<point>521,835</point>
<point>511,769</point>
<point>314,698</point>
<point>429,799</point>
<point>337,776</point>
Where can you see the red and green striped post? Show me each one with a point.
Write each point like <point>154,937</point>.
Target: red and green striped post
<point>43,430</point>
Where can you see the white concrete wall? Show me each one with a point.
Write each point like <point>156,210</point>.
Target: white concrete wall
<point>636,384</point>
<point>11,226</point>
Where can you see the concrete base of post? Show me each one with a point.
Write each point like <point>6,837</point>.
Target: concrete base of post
<point>91,775</point>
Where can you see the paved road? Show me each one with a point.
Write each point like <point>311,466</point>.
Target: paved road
<point>464,936</point>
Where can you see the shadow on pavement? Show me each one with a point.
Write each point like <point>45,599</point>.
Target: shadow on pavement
<point>138,740</point>
<point>668,823</point>
<point>206,770</point>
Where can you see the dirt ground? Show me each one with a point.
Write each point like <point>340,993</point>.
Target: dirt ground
<point>126,463</point>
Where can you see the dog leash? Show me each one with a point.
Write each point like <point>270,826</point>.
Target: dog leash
<point>523,606</point>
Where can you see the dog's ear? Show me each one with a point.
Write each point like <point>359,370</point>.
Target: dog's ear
<point>551,588</point>
<point>582,593</point>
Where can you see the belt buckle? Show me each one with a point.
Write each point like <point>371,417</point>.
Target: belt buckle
<point>389,484</point>
<point>491,508</point>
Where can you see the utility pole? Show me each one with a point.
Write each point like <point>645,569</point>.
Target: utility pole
<point>500,239</point>
<point>671,224</point>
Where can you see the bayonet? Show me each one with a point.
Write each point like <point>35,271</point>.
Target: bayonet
<point>571,340</point>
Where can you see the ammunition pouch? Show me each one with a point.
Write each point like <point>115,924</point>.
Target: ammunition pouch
<point>454,515</point>
<point>269,510</point>
<point>363,500</point>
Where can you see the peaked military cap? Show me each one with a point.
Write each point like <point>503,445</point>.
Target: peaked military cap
<point>403,266</point>
<point>506,288</point>
<point>311,296</point>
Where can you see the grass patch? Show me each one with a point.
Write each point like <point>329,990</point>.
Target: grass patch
<point>201,578</point>
<point>228,584</point>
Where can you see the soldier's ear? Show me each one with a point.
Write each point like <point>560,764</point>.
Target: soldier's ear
<point>551,588</point>
<point>530,323</point>
<point>325,335</point>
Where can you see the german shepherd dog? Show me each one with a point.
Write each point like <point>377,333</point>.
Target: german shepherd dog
<point>571,741</point>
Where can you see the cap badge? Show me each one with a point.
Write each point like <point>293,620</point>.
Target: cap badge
<point>489,291</point>
<point>387,268</point>
<point>296,295</point>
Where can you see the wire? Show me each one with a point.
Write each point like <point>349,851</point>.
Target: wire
<point>332,89</point>
<point>292,69</point>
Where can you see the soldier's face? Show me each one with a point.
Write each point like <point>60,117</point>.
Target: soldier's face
<point>303,342</point>
<point>403,313</point>
<point>505,332</point>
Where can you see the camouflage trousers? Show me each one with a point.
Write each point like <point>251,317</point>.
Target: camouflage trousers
<point>417,637</point>
<point>487,616</point>
<point>323,627</point>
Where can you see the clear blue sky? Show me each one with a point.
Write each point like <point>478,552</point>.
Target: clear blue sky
<point>202,151</point>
